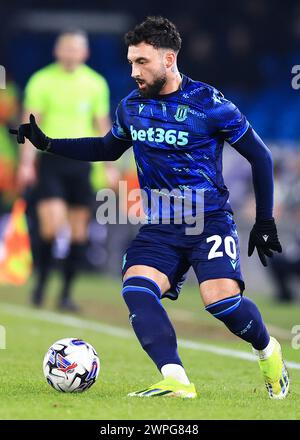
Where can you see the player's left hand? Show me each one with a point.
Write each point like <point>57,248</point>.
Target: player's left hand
<point>264,238</point>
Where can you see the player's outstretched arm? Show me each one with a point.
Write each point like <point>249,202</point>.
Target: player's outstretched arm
<point>263,235</point>
<point>85,149</point>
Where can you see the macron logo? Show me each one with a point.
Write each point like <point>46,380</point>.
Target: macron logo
<point>265,237</point>
<point>141,106</point>
<point>233,263</point>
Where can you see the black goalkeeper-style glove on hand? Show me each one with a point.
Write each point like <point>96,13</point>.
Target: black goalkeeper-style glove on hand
<point>264,238</point>
<point>32,132</point>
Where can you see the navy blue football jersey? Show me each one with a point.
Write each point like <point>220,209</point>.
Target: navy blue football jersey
<point>178,141</point>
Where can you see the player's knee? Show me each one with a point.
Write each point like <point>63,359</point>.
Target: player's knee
<point>216,290</point>
<point>218,296</point>
<point>129,273</point>
<point>157,277</point>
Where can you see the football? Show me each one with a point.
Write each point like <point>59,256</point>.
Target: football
<point>71,365</point>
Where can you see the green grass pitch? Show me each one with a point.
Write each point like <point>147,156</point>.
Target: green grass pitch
<point>228,387</point>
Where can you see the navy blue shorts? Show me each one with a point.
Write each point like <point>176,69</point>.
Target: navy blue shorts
<point>212,254</point>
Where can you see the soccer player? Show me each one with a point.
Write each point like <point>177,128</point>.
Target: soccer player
<point>67,97</point>
<point>177,127</point>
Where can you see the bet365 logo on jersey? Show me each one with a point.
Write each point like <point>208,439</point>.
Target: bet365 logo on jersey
<point>160,135</point>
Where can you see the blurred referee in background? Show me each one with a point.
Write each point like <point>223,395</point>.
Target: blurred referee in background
<point>69,99</point>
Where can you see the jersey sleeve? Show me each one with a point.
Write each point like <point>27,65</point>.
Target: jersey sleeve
<point>102,98</point>
<point>119,129</point>
<point>35,95</point>
<point>225,118</point>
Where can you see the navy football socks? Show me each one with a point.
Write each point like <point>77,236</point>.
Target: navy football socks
<point>150,321</point>
<point>242,317</point>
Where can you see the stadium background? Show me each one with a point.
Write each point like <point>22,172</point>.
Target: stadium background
<point>247,50</point>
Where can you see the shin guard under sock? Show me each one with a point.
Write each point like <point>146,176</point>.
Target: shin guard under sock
<point>150,321</point>
<point>242,317</point>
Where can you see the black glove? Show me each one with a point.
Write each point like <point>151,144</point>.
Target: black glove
<point>32,132</point>
<point>264,237</point>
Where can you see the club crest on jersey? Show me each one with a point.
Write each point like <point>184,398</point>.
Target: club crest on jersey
<point>181,113</point>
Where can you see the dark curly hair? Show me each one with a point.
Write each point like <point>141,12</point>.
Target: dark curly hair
<point>157,31</point>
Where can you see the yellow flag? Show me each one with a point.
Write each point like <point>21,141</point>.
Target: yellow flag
<point>15,251</point>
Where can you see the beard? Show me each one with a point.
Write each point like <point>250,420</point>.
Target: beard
<point>153,90</point>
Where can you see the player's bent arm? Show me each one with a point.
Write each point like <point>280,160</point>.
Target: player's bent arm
<point>251,146</point>
<point>107,148</point>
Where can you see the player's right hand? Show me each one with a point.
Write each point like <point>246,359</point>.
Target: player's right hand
<point>33,133</point>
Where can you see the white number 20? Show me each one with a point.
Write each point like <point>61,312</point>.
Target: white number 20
<point>229,245</point>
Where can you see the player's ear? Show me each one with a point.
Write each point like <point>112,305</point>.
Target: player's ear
<point>170,59</point>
